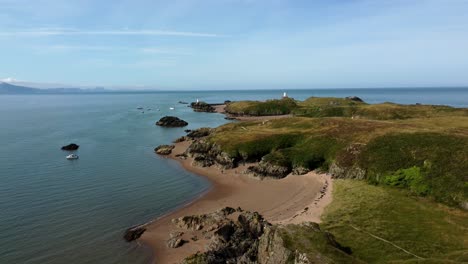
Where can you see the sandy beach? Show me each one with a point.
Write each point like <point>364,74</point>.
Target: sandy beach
<point>293,199</point>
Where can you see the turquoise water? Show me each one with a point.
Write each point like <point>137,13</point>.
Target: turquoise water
<point>53,210</point>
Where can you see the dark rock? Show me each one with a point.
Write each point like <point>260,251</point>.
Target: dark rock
<point>187,130</point>
<point>206,154</point>
<point>266,169</point>
<point>182,102</point>
<point>225,231</point>
<point>232,242</point>
<point>164,149</point>
<point>230,118</point>
<point>227,101</point>
<point>133,233</point>
<point>202,107</point>
<point>171,121</point>
<point>181,156</point>
<point>70,147</point>
<point>355,98</point>
<point>199,133</point>
<point>251,240</point>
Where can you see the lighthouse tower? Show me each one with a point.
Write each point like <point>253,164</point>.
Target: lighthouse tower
<point>285,95</point>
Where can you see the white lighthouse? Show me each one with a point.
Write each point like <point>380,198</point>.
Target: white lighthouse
<point>285,95</point>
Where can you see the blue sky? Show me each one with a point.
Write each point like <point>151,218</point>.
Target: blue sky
<point>235,44</point>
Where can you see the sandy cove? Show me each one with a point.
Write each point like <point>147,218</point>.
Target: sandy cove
<point>293,199</point>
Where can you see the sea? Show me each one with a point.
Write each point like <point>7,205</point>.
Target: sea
<point>54,210</point>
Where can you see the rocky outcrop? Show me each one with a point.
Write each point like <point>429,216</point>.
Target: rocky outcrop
<point>199,133</point>
<point>238,236</point>
<point>266,169</point>
<point>346,165</point>
<point>202,107</point>
<point>206,154</point>
<point>234,240</point>
<point>299,170</point>
<point>164,149</point>
<point>353,172</point>
<point>70,147</point>
<point>355,98</point>
<point>175,242</point>
<point>133,233</point>
<point>171,121</point>
<point>271,249</point>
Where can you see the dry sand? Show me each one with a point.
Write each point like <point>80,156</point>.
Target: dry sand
<point>294,199</point>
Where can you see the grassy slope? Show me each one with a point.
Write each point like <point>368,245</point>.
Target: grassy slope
<point>419,150</point>
<point>437,147</point>
<point>430,230</point>
<point>340,107</point>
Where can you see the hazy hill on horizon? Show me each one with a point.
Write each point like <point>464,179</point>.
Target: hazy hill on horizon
<point>8,88</point>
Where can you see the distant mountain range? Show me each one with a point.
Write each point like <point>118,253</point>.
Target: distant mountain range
<point>7,88</point>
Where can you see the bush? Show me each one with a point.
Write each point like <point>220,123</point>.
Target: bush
<point>410,178</point>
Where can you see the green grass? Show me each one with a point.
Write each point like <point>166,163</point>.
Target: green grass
<point>256,108</point>
<point>341,107</point>
<point>436,147</point>
<point>427,229</point>
<point>315,244</point>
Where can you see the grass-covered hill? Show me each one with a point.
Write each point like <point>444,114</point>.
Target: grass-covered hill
<point>396,164</point>
<point>340,107</point>
<point>420,148</point>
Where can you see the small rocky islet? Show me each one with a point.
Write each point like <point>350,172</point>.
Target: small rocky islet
<point>70,147</point>
<point>171,121</point>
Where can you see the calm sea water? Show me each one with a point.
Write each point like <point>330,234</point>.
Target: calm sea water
<point>53,210</point>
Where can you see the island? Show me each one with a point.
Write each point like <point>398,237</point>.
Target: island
<point>324,180</point>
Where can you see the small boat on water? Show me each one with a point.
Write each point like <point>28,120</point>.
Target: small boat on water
<point>72,157</point>
<point>139,108</point>
<point>171,108</point>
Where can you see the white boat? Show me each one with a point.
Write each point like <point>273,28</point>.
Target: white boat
<point>171,108</point>
<point>72,156</point>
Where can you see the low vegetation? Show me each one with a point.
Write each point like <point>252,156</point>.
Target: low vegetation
<point>428,156</point>
<point>362,216</point>
<point>340,107</point>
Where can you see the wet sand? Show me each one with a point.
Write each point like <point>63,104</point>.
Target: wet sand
<point>293,199</point>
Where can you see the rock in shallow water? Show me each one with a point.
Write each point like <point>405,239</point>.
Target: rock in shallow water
<point>164,149</point>
<point>133,233</point>
<point>171,121</point>
<point>70,147</point>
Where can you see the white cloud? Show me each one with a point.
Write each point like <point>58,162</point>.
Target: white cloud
<point>9,80</point>
<point>68,32</point>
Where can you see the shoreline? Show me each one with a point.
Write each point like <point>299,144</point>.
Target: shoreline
<point>291,200</point>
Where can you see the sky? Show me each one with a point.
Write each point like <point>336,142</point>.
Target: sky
<point>234,44</point>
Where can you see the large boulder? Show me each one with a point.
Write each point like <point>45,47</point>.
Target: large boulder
<point>70,147</point>
<point>133,233</point>
<point>175,242</point>
<point>171,121</point>
<point>164,149</point>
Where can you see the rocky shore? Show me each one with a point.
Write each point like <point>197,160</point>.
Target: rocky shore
<point>201,232</point>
